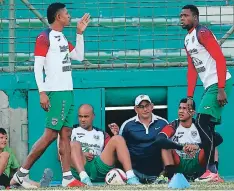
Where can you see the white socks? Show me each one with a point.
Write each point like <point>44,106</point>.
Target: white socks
<point>130,174</point>
<point>67,178</point>
<point>83,175</point>
<point>24,171</point>
<point>68,173</point>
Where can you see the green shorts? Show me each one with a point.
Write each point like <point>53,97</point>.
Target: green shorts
<point>61,111</point>
<point>209,104</point>
<point>96,169</point>
<point>190,166</point>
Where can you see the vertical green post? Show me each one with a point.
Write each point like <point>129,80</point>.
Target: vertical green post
<point>12,35</point>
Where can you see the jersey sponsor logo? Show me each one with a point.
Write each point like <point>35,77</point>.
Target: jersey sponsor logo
<point>193,51</point>
<point>207,107</point>
<point>54,121</point>
<point>201,69</point>
<point>79,135</point>
<point>66,59</point>
<point>66,68</point>
<point>87,145</point>
<point>196,61</point>
<point>63,48</point>
<point>58,37</point>
<point>194,134</point>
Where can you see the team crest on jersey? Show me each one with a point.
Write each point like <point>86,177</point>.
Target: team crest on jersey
<point>194,134</point>
<point>96,137</point>
<point>193,39</point>
<point>54,121</point>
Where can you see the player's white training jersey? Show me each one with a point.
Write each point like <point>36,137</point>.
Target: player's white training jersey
<point>54,46</point>
<point>186,136</point>
<point>91,141</point>
<point>201,58</point>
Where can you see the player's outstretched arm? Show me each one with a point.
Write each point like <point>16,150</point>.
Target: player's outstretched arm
<point>77,52</point>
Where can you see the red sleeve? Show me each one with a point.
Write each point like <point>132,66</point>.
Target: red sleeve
<point>191,76</point>
<point>107,138</point>
<point>42,45</point>
<point>207,39</point>
<point>71,47</point>
<point>168,130</point>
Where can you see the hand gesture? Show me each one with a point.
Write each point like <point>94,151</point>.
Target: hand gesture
<point>114,128</point>
<point>83,23</point>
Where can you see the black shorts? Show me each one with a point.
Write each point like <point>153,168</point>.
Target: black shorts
<point>4,180</point>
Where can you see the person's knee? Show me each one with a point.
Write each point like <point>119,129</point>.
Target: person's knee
<point>65,133</point>
<point>50,135</point>
<point>75,146</point>
<point>176,157</point>
<point>166,151</point>
<point>118,139</point>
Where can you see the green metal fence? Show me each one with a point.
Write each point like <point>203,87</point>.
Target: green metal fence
<point>122,34</point>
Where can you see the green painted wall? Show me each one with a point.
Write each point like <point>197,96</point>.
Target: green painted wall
<point>112,88</point>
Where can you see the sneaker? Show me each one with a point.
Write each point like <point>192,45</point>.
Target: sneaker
<point>208,176</point>
<point>87,181</point>
<point>23,181</point>
<point>219,179</point>
<point>46,178</point>
<point>161,180</point>
<point>133,181</point>
<point>75,183</point>
<point>15,186</point>
<point>2,187</point>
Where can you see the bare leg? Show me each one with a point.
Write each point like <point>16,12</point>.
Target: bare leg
<point>117,146</point>
<point>167,157</point>
<point>65,148</point>
<point>77,157</point>
<point>39,147</point>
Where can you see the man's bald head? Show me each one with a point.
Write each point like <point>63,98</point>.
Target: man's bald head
<point>86,108</point>
<point>86,116</point>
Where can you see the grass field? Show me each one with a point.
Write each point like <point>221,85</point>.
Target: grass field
<point>194,186</point>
